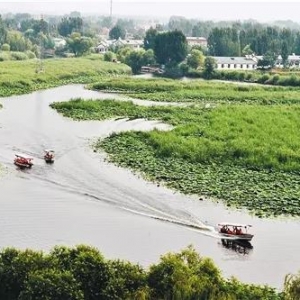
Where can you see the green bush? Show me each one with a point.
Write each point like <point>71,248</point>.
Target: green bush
<point>30,54</point>
<point>18,56</point>
<point>4,56</point>
<point>109,56</point>
<point>5,47</point>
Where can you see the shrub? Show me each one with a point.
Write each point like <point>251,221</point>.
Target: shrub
<point>30,54</point>
<point>4,56</point>
<point>18,56</point>
<point>109,56</point>
<point>5,47</point>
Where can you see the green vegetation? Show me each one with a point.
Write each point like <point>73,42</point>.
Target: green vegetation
<point>19,77</point>
<point>13,55</point>
<point>245,155</point>
<point>199,91</point>
<point>83,273</point>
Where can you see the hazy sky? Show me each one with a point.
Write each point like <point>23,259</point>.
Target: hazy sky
<point>205,10</point>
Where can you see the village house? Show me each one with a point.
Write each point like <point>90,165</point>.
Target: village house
<point>102,47</point>
<point>236,63</point>
<point>293,61</point>
<point>196,41</point>
<point>105,45</point>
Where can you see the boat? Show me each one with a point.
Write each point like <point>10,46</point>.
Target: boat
<point>23,161</point>
<point>49,156</point>
<point>235,231</point>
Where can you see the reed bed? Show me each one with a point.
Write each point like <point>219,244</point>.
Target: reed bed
<point>199,91</point>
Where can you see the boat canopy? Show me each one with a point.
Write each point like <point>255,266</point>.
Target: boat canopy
<point>23,156</point>
<point>234,224</point>
<point>49,150</point>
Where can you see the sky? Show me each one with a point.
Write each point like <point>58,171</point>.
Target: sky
<point>199,9</point>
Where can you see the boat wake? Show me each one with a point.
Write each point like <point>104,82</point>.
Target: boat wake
<point>197,226</point>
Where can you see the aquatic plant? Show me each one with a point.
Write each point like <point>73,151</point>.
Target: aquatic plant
<point>245,155</point>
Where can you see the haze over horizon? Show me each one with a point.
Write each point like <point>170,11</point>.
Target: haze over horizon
<point>198,9</point>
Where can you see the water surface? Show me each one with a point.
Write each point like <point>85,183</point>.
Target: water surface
<point>83,199</point>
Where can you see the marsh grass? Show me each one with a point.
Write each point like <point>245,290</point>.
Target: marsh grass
<point>167,90</point>
<point>19,77</point>
<point>247,155</point>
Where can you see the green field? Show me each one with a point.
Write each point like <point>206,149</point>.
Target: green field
<point>246,155</point>
<point>200,91</point>
<point>19,77</point>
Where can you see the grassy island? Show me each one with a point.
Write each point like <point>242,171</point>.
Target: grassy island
<point>246,154</point>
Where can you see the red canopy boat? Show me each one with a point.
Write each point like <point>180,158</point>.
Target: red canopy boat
<point>235,231</point>
<point>23,161</point>
<point>49,156</point>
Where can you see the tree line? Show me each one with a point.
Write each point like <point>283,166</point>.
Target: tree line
<point>82,272</point>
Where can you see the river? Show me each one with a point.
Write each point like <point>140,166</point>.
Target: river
<point>82,199</point>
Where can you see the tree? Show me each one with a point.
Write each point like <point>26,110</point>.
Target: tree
<point>109,56</point>
<point>51,284</point>
<point>79,45</point>
<point>15,266</point>
<point>17,41</point>
<point>268,61</point>
<point>209,67</point>
<point>170,47</point>
<point>149,40</point>
<point>284,54</point>
<point>149,58</point>
<point>3,31</point>
<point>69,25</point>
<point>247,50</point>
<point>135,60</point>
<point>195,59</point>
<point>292,287</point>
<point>122,53</point>
<point>117,32</point>
<point>88,267</point>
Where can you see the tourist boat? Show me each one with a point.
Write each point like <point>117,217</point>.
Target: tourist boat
<point>235,231</point>
<point>23,161</point>
<point>49,156</point>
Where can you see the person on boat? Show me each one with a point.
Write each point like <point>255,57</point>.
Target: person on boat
<point>238,231</point>
<point>223,229</point>
<point>48,155</point>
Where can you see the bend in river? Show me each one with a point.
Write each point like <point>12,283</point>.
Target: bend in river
<point>83,199</point>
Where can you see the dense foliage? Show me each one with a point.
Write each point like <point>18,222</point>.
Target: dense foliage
<point>170,47</point>
<point>83,273</point>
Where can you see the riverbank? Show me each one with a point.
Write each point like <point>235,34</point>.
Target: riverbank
<point>21,77</point>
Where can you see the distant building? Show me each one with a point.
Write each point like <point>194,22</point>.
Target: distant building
<point>134,44</point>
<point>293,61</point>
<point>102,47</point>
<point>236,63</point>
<point>59,43</point>
<point>196,41</point>
<point>105,45</point>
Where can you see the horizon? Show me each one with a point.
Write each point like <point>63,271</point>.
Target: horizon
<point>214,10</point>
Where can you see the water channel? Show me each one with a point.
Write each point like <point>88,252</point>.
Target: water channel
<point>83,199</point>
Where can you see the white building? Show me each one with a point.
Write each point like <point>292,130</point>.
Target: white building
<point>105,45</point>
<point>236,63</point>
<point>196,41</point>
